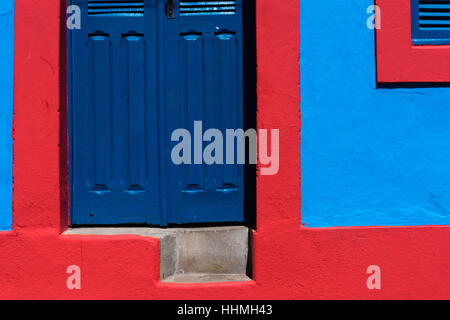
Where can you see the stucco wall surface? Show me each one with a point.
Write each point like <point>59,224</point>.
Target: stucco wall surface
<point>290,261</point>
<point>370,156</point>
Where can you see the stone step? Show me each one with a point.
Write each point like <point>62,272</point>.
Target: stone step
<point>206,278</point>
<point>213,251</point>
<point>193,255</point>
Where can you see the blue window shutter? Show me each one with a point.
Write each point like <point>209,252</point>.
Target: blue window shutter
<point>430,21</point>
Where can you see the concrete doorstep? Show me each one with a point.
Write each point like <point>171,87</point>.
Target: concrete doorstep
<point>193,255</point>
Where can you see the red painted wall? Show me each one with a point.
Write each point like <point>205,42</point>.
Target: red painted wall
<point>290,262</point>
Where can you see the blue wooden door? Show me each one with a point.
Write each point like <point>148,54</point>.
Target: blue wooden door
<point>139,71</point>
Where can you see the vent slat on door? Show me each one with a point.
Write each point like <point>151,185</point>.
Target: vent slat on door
<point>202,8</point>
<point>116,8</point>
<point>434,14</point>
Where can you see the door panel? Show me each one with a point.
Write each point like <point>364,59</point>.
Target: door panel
<point>135,77</point>
<point>114,114</point>
<point>204,83</point>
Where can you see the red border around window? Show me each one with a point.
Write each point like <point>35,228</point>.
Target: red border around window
<point>398,60</point>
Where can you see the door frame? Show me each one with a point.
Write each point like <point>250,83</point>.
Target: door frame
<point>249,117</point>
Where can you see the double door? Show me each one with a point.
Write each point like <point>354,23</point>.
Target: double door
<point>138,71</point>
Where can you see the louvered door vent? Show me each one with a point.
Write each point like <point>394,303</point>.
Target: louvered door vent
<point>116,8</point>
<point>434,14</point>
<point>205,8</point>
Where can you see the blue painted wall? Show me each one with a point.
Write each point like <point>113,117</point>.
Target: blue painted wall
<point>369,156</point>
<point>6,110</point>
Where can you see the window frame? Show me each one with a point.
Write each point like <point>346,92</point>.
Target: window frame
<point>397,58</point>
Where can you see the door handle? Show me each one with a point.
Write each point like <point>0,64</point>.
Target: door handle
<point>170,9</point>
